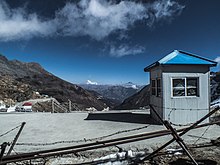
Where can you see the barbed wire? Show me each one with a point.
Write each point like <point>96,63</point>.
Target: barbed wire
<point>10,130</point>
<point>202,134</point>
<point>175,124</point>
<point>195,136</point>
<point>82,140</point>
<point>174,108</point>
<point>15,151</point>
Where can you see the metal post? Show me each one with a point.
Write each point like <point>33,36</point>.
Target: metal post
<point>182,133</point>
<point>16,138</point>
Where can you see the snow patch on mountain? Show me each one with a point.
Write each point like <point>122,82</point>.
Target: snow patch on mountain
<point>89,82</point>
<point>130,85</point>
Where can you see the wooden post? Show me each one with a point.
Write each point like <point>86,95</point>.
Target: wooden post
<point>175,135</point>
<point>52,106</point>
<point>182,133</point>
<point>3,147</point>
<point>179,140</point>
<point>16,138</point>
<point>70,106</point>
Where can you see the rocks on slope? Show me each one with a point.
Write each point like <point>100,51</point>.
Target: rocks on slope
<point>19,80</point>
<point>139,99</point>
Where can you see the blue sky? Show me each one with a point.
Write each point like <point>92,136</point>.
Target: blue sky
<point>108,42</point>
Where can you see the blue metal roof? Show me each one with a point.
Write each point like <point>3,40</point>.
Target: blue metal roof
<point>178,57</point>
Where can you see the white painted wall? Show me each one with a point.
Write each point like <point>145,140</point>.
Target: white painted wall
<point>181,110</point>
<point>188,109</point>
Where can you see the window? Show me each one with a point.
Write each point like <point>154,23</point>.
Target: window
<point>188,86</point>
<point>153,87</point>
<point>158,87</point>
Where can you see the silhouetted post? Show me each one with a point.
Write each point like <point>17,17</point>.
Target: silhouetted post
<point>16,138</point>
<point>3,147</point>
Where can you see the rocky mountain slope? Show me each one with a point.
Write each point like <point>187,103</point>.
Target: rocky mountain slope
<point>20,81</point>
<point>215,86</point>
<point>139,99</point>
<point>116,93</point>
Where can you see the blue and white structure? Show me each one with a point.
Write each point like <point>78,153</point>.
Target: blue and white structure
<point>180,87</point>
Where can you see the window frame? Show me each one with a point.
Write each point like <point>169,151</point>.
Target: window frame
<point>186,87</point>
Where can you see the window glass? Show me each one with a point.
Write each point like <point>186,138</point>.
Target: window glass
<point>158,87</point>
<point>185,86</point>
<point>153,87</point>
<point>192,86</point>
<point>178,87</point>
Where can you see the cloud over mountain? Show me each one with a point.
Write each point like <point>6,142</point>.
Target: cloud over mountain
<point>94,18</point>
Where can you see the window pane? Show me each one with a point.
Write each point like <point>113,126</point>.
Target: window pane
<point>158,87</point>
<point>178,87</point>
<point>192,86</point>
<point>192,82</point>
<point>191,91</point>
<point>153,91</point>
<point>178,82</point>
<point>178,91</point>
<point>153,87</point>
<point>153,84</point>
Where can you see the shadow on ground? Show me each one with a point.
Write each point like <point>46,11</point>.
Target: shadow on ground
<point>187,162</point>
<point>128,117</point>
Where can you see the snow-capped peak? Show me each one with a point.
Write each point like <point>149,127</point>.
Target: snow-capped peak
<point>89,82</point>
<point>130,85</point>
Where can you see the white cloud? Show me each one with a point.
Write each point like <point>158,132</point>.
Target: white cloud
<point>16,24</point>
<point>217,59</point>
<point>98,19</point>
<point>124,50</point>
<point>166,8</point>
<point>91,82</point>
<point>94,18</point>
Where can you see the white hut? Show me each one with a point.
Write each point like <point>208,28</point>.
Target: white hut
<point>180,87</point>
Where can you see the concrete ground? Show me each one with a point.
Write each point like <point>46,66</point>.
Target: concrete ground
<point>73,129</point>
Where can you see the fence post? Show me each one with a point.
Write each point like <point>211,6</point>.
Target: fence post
<point>70,106</point>
<point>16,138</point>
<point>3,147</point>
<point>52,106</point>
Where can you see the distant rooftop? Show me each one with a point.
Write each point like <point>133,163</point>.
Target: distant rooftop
<point>178,57</point>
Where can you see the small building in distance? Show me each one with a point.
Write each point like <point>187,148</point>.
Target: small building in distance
<point>180,87</point>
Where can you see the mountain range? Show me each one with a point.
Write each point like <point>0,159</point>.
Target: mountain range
<point>115,93</point>
<point>19,81</point>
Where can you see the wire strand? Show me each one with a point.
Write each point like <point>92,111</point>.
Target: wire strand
<point>83,140</point>
<point>10,130</point>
